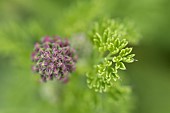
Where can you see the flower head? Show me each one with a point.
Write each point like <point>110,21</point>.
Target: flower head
<point>53,58</point>
<point>110,41</point>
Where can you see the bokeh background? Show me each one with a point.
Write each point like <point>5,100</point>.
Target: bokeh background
<point>23,22</point>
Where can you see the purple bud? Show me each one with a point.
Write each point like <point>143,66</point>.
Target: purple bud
<point>65,79</point>
<point>43,78</point>
<point>37,47</point>
<point>46,39</point>
<point>54,58</point>
<point>46,45</point>
<point>48,71</point>
<point>34,69</point>
<point>33,56</point>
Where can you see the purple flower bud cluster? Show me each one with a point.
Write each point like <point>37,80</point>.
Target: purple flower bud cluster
<point>53,58</point>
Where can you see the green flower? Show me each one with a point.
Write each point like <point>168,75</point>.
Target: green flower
<point>109,40</point>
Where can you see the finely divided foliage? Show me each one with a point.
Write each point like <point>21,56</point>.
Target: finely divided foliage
<point>109,38</point>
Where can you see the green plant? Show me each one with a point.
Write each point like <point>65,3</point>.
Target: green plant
<point>109,38</point>
<point>19,36</point>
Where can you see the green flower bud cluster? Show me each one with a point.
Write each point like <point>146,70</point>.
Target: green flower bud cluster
<point>120,29</point>
<point>111,44</point>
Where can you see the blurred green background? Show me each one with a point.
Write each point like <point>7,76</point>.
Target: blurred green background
<point>23,22</point>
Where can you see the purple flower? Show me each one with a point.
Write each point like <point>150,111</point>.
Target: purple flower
<point>53,58</point>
